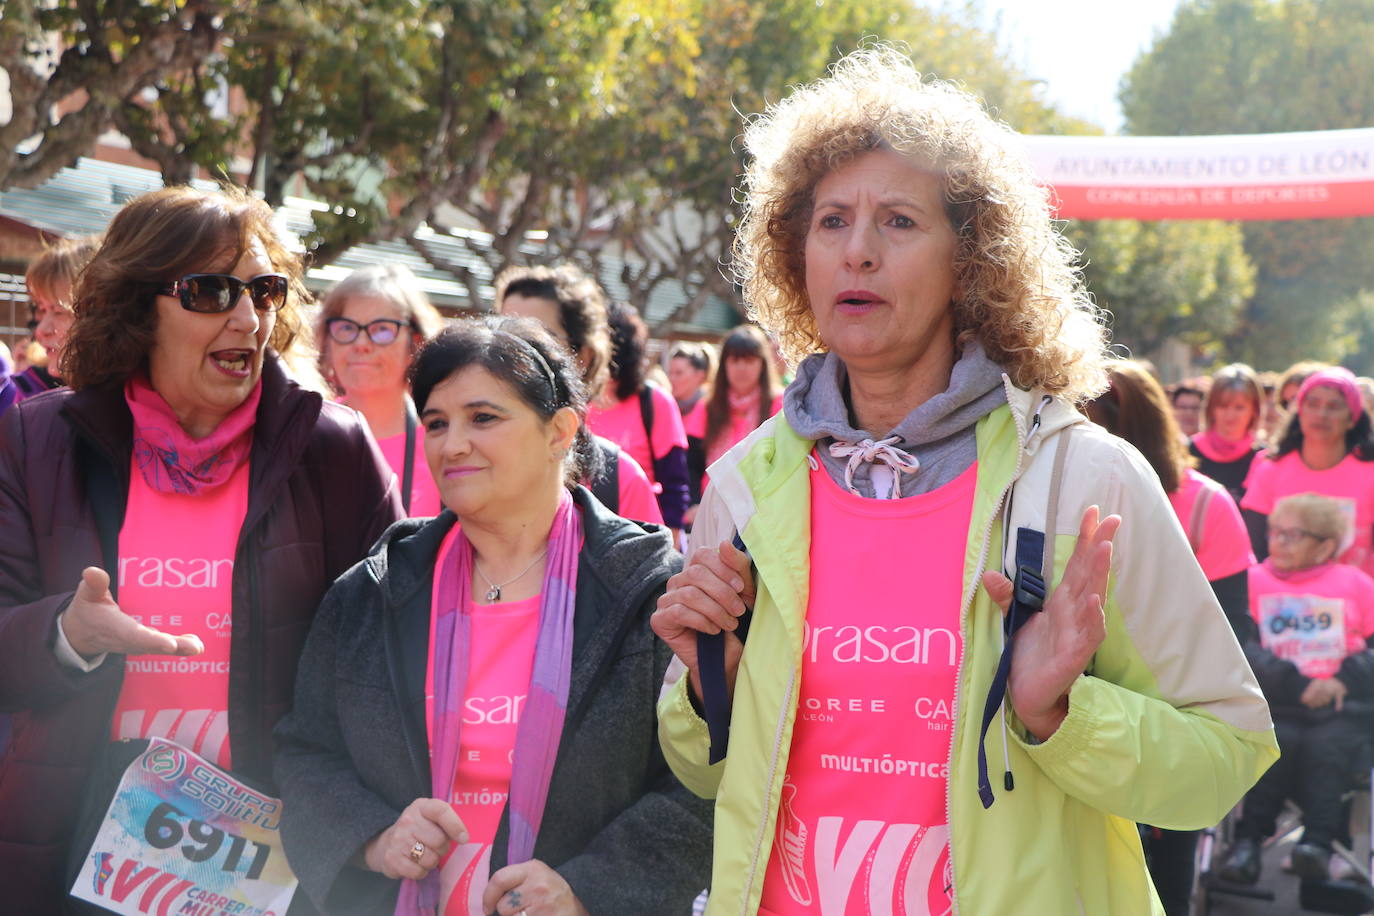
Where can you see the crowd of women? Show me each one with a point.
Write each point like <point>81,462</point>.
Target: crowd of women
<point>421,583</point>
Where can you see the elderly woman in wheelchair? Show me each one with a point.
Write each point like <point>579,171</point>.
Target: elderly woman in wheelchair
<point>1312,657</point>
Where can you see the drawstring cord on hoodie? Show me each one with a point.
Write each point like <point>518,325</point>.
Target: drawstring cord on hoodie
<point>880,452</point>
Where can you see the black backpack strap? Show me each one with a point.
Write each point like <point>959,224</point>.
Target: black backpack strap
<point>102,490</point>
<point>646,414</point>
<point>605,486</point>
<point>715,694</point>
<point>1030,589</point>
<point>408,465</point>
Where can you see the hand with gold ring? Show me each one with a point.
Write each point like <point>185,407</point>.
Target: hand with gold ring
<point>415,845</point>
<point>530,889</point>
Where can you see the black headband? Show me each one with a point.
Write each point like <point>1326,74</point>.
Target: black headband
<point>543,363</point>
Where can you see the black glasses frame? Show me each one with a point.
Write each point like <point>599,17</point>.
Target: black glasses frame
<point>345,323</point>
<point>268,292</point>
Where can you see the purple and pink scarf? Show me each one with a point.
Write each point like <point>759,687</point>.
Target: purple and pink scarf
<point>541,723</point>
<point>169,459</point>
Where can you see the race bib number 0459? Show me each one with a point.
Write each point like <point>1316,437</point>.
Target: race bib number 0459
<point>184,838</point>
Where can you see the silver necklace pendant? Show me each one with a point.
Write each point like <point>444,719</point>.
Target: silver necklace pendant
<point>493,594</point>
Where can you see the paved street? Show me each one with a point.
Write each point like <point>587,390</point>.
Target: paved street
<point>1284,885</point>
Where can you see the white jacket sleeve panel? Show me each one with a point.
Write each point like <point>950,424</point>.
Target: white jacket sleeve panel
<point>682,734</point>
<point>1169,726</point>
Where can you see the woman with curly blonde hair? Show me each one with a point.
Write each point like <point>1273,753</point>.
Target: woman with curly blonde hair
<point>896,243</point>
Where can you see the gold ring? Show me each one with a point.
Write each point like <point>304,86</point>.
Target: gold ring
<point>416,852</point>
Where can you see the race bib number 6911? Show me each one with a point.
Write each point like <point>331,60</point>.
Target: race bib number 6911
<point>183,837</point>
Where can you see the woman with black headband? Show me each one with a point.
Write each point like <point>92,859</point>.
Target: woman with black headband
<point>474,723</point>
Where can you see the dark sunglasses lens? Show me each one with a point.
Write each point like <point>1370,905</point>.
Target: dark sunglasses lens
<point>268,292</point>
<point>207,294</point>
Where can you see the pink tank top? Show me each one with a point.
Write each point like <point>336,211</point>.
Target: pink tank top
<point>863,828</point>
<point>176,572</point>
<point>501,642</point>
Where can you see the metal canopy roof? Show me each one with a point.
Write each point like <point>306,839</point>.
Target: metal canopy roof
<point>82,199</point>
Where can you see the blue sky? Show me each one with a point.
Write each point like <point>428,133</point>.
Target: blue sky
<point>1080,48</point>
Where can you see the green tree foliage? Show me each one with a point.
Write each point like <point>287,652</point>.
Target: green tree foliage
<point>1186,280</point>
<point>1258,66</point>
<point>650,166</point>
<point>93,61</point>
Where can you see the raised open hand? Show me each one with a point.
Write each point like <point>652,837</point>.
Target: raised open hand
<point>1055,645</point>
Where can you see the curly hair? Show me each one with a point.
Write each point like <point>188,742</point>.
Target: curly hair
<point>1318,515</point>
<point>629,343</point>
<point>1020,293</point>
<point>581,307</point>
<point>155,239</point>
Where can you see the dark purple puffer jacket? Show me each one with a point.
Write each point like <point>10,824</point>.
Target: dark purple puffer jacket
<point>319,495</point>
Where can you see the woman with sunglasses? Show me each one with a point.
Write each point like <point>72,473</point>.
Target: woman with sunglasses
<point>371,324</point>
<point>183,498</point>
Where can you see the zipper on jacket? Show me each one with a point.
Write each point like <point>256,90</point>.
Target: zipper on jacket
<point>772,779</point>
<point>1023,437</point>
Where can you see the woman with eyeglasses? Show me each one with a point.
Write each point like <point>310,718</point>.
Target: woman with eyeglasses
<point>370,326</point>
<point>1315,618</point>
<point>184,498</point>
<point>1326,446</point>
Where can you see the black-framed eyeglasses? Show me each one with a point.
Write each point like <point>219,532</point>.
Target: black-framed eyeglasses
<point>381,331</point>
<point>211,293</point>
<point>1292,535</point>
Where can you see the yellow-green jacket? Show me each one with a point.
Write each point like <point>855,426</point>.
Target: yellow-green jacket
<point>1167,727</point>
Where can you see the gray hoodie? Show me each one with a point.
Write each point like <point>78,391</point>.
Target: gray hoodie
<point>939,433</point>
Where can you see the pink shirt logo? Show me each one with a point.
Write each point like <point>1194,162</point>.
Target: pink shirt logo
<point>862,826</point>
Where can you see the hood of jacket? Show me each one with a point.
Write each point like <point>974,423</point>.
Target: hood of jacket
<point>938,433</point>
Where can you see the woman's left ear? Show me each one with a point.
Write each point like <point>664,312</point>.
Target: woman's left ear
<point>564,426</point>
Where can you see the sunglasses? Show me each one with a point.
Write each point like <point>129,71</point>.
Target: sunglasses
<point>211,293</point>
<point>381,331</point>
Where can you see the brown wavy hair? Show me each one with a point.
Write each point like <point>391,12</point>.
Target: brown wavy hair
<point>155,239</point>
<point>62,261</point>
<point>1235,377</point>
<point>1020,295</point>
<point>1136,409</point>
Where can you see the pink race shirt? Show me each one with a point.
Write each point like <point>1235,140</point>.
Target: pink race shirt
<point>176,574</point>
<point>424,494</point>
<point>501,644</point>
<point>742,423</point>
<point>624,425</point>
<point>1315,617</point>
<point>1214,527</point>
<point>1351,483</point>
<point>863,825</point>
<point>637,499</point>
<point>694,423</point>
